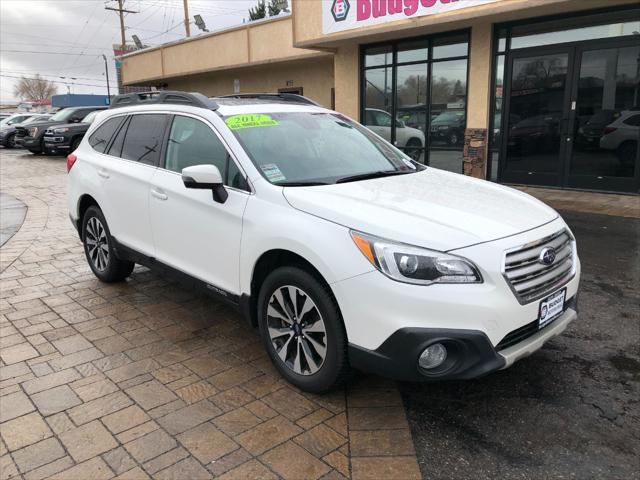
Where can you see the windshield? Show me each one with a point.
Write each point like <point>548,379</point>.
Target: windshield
<point>448,117</point>
<point>62,115</point>
<point>303,147</point>
<point>34,119</point>
<point>91,117</point>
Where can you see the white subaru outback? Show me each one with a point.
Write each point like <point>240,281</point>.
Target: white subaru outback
<point>342,250</point>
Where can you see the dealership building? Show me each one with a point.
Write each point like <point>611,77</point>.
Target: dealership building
<point>531,92</point>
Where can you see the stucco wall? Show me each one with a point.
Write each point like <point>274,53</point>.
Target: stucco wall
<point>314,76</point>
<point>346,62</point>
<point>251,44</point>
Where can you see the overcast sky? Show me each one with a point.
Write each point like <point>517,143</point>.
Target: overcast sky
<point>75,34</point>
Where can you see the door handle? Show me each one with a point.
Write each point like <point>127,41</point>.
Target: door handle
<point>158,194</point>
<point>103,173</point>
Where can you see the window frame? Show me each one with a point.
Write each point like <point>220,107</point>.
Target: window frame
<point>430,42</point>
<point>163,137</point>
<point>232,157</point>
<point>113,135</point>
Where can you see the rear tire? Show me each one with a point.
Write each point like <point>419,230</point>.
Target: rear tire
<point>98,248</point>
<point>305,337</point>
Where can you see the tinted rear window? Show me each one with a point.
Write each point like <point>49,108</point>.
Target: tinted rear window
<point>101,137</point>
<point>143,140</point>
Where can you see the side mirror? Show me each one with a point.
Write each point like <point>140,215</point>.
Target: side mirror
<point>205,177</point>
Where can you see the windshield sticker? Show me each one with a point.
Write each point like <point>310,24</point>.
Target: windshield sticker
<point>272,172</point>
<point>249,121</point>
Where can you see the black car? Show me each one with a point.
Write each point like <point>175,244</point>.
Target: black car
<point>67,137</point>
<point>31,136</point>
<point>449,127</point>
<point>8,126</point>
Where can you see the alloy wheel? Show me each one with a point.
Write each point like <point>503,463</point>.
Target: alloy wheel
<point>297,330</point>
<point>97,244</point>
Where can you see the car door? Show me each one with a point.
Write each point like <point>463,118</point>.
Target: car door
<point>125,174</point>
<point>193,233</point>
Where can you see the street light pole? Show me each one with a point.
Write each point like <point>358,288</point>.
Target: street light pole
<point>106,71</point>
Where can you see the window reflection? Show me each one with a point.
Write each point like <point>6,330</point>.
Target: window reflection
<point>607,129</point>
<point>448,114</point>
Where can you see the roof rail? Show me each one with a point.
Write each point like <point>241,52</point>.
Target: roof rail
<point>287,97</point>
<point>164,96</point>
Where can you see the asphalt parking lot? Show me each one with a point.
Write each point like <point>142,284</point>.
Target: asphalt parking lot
<point>572,410</point>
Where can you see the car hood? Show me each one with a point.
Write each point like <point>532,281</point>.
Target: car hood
<point>433,208</point>
<point>40,125</point>
<point>73,126</point>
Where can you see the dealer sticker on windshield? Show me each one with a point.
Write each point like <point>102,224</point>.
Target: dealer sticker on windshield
<point>272,172</point>
<point>551,307</point>
<point>237,122</point>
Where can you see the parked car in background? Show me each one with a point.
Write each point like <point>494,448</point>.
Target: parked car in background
<point>66,138</point>
<point>622,136</point>
<point>342,250</point>
<point>5,115</point>
<point>449,127</point>
<point>8,131</point>
<point>31,137</point>
<point>409,139</point>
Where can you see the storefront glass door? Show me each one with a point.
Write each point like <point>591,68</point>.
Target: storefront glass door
<point>537,97</point>
<point>569,113</point>
<point>606,119</point>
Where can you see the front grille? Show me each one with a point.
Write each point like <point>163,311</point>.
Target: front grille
<point>21,132</point>
<point>524,332</point>
<point>530,279</point>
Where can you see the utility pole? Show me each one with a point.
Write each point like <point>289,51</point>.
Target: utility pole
<point>121,11</point>
<point>186,18</point>
<point>106,72</point>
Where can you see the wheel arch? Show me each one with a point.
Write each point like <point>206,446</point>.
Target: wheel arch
<point>84,202</point>
<point>266,263</point>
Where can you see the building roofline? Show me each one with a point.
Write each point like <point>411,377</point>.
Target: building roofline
<point>243,26</point>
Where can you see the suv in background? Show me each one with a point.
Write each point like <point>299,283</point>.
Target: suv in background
<point>66,138</point>
<point>449,127</point>
<point>342,250</point>
<point>411,140</point>
<point>31,137</point>
<point>8,126</point>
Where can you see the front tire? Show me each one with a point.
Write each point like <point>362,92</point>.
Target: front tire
<point>302,330</point>
<point>10,141</point>
<point>98,248</point>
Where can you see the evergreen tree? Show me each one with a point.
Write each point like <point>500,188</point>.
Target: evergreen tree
<point>275,7</point>
<point>259,11</point>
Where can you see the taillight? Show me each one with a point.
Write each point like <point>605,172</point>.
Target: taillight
<point>608,130</point>
<point>71,159</point>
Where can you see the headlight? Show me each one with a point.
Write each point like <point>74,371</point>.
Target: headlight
<point>409,264</point>
<point>33,131</point>
<point>60,130</point>
<point>443,127</point>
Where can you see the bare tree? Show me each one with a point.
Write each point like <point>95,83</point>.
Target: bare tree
<point>34,89</point>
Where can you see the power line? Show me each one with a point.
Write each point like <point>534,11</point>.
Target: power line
<point>51,53</point>
<point>56,81</point>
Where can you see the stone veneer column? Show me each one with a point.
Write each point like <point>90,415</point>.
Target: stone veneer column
<point>478,108</point>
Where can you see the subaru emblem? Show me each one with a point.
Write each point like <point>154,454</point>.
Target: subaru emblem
<point>547,256</point>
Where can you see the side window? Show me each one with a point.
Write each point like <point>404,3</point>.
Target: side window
<point>369,118</point>
<point>192,142</point>
<point>115,150</point>
<point>100,138</point>
<point>633,120</point>
<point>143,140</point>
<point>383,119</point>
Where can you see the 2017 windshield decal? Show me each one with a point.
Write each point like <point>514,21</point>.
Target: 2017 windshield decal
<point>236,122</point>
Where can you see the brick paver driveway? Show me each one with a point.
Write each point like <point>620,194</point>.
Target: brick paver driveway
<point>146,379</point>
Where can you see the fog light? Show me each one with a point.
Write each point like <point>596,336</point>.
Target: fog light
<point>432,356</point>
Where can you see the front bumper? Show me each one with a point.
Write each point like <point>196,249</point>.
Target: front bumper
<point>56,143</point>
<point>470,353</point>
<point>28,142</point>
